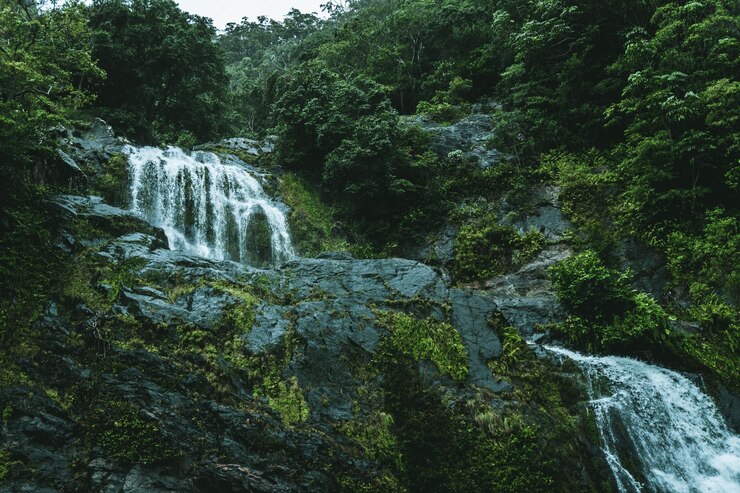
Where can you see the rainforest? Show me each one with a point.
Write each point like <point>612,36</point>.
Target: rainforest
<point>392,246</point>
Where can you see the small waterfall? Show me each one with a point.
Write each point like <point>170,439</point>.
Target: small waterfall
<point>662,419</point>
<point>207,207</point>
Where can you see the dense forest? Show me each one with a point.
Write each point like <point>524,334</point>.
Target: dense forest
<point>629,108</point>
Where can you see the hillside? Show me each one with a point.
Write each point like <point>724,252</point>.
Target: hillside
<point>405,247</point>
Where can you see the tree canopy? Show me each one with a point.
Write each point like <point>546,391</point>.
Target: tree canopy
<point>166,76</point>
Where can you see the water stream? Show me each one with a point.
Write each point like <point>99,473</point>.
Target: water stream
<point>207,207</point>
<point>664,420</point>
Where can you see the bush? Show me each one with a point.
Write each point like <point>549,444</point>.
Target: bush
<point>606,313</point>
<point>587,288</point>
<point>485,249</point>
<point>710,257</point>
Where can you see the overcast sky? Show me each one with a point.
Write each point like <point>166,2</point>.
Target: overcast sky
<point>225,11</point>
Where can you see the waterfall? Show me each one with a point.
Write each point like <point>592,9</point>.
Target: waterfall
<point>661,418</point>
<point>207,207</point>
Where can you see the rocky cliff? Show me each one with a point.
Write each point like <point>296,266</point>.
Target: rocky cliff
<point>155,370</point>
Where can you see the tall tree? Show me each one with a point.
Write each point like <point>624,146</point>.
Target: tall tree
<point>166,74</point>
<point>681,107</point>
<point>44,61</point>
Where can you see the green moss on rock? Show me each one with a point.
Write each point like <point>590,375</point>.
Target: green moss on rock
<point>311,221</point>
<point>427,339</point>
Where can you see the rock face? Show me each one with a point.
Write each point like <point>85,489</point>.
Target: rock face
<point>468,136</point>
<point>164,371</point>
<point>118,343</point>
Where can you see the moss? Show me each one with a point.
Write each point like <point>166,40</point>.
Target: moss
<point>29,267</point>
<point>84,230</point>
<point>539,426</point>
<point>227,354</point>
<point>286,397</point>
<point>11,468</point>
<point>422,339</point>
<point>128,438</point>
<point>179,290</point>
<point>384,483</point>
<point>241,316</point>
<point>10,374</point>
<point>376,438</point>
<point>238,153</point>
<point>266,371</point>
<point>312,222</point>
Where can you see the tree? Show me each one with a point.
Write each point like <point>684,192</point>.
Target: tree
<point>45,60</point>
<point>257,52</point>
<point>166,75</point>
<point>345,132</point>
<point>681,109</point>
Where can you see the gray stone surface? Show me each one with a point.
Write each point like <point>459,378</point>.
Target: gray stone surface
<point>469,136</point>
<point>526,297</point>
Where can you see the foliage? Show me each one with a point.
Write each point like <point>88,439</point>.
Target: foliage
<point>422,339</point>
<point>112,182</point>
<point>257,52</point>
<point>606,312</point>
<point>714,352</point>
<point>344,131</point>
<point>45,55</point>
<point>448,106</point>
<point>710,257</point>
<point>586,194</point>
<point>679,107</point>
<point>165,73</point>
<point>588,288</point>
<point>485,248</point>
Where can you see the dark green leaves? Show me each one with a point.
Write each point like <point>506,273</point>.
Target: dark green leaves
<point>165,73</point>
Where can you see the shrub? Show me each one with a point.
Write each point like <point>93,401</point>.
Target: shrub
<point>605,311</point>
<point>485,249</point>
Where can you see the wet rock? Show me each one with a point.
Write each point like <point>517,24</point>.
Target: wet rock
<point>71,167</point>
<point>436,249</point>
<point>543,215</point>
<point>335,256</point>
<point>526,297</point>
<point>470,315</point>
<point>246,146</point>
<point>99,215</point>
<point>92,148</point>
<point>648,266</point>
<point>258,250</point>
<point>38,434</point>
<point>270,326</point>
<point>729,404</point>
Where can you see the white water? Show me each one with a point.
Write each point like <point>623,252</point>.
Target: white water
<point>205,206</point>
<point>678,436</point>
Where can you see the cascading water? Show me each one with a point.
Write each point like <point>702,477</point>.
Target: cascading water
<point>672,428</point>
<point>207,207</point>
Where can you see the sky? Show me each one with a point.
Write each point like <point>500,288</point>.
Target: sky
<point>225,11</point>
